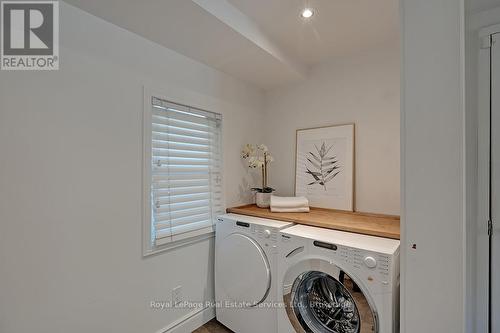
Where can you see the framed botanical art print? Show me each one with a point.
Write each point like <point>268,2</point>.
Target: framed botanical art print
<point>324,170</point>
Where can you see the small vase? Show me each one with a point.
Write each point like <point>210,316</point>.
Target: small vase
<point>263,200</point>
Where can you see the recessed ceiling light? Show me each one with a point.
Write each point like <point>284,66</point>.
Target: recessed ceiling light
<point>307,13</point>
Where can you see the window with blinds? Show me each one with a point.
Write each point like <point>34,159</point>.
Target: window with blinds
<point>185,191</point>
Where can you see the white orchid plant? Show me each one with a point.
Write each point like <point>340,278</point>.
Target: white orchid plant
<point>258,157</point>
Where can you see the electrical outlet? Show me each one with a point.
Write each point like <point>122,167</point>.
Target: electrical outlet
<point>177,295</point>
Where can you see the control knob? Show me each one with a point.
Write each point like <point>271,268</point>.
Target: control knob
<point>370,262</point>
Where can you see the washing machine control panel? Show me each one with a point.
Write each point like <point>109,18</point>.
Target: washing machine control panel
<point>364,259</point>
<point>372,267</point>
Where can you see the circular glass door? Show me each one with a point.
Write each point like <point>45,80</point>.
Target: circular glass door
<point>321,303</point>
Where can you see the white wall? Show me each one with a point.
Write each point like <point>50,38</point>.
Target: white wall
<point>472,48</point>
<point>361,89</point>
<point>433,163</point>
<point>70,183</point>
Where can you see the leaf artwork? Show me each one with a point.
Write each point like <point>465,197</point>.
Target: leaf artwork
<point>323,167</point>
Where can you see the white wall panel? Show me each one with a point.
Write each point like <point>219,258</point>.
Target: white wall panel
<point>433,163</point>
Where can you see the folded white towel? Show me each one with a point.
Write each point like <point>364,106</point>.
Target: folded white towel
<point>289,210</point>
<point>289,202</point>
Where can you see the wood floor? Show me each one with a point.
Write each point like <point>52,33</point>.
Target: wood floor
<point>213,327</point>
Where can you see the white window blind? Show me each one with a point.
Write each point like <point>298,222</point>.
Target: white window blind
<point>186,180</point>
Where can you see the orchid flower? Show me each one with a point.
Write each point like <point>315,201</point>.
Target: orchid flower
<point>258,156</point>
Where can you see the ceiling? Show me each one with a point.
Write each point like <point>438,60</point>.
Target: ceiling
<point>338,27</point>
<point>264,42</point>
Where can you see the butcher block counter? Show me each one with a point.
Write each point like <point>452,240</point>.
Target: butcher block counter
<point>361,223</point>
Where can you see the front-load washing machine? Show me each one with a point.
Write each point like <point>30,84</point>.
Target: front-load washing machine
<point>337,282</point>
<point>246,250</point>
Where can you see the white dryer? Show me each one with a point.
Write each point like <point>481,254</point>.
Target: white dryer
<point>337,282</point>
<point>246,250</point>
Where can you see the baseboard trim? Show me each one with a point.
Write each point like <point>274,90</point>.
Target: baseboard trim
<point>190,321</point>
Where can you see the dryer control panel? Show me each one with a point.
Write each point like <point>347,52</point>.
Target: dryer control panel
<point>265,235</point>
<point>263,232</point>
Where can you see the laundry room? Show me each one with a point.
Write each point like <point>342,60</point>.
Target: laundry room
<point>245,166</point>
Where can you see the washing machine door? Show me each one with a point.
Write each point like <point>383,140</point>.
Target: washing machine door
<point>325,299</point>
<point>242,270</point>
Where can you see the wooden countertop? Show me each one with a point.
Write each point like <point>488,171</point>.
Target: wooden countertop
<point>361,223</point>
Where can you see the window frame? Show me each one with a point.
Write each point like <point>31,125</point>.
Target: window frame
<point>148,246</point>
